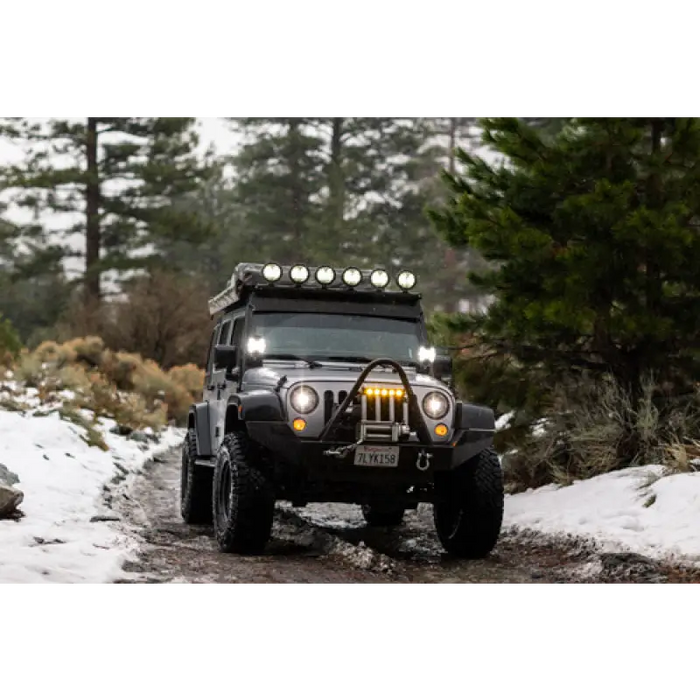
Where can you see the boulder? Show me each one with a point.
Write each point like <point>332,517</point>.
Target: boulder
<point>7,477</point>
<point>10,498</point>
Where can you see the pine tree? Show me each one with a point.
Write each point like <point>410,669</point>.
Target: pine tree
<point>113,180</point>
<point>211,259</point>
<point>346,190</point>
<point>279,177</point>
<point>593,236</point>
<point>33,286</point>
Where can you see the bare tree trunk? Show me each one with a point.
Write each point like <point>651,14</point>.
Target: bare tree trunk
<point>452,135</point>
<point>296,188</point>
<point>336,180</point>
<point>451,303</point>
<point>92,208</point>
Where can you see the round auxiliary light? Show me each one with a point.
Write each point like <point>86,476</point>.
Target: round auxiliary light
<point>299,274</point>
<point>406,280</point>
<point>352,277</point>
<point>379,279</point>
<point>325,275</point>
<point>272,272</point>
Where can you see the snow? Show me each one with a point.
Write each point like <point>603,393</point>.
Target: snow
<point>62,479</point>
<point>636,509</point>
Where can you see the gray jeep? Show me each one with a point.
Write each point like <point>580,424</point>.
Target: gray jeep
<point>320,387</point>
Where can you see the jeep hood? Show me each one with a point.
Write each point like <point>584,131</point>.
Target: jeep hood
<point>270,375</point>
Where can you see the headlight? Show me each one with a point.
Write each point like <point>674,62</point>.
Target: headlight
<point>303,399</point>
<point>436,405</point>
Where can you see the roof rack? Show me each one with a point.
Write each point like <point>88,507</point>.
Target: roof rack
<point>249,275</point>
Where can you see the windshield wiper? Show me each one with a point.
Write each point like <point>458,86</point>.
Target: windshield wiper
<point>286,356</point>
<point>349,358</point>
<point>365,360</point>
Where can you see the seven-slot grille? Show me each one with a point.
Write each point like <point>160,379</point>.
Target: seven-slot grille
<point>380,405</point>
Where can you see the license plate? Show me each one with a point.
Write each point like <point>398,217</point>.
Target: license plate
<point>376,456</point>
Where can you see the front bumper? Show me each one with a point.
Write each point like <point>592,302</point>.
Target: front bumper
<point>308,455</point>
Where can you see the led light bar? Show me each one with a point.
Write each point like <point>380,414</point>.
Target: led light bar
<point>247,275</point>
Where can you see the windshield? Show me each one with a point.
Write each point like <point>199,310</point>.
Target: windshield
<point>332,336</point>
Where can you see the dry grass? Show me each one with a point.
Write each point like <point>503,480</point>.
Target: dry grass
<point>134,392</point>
<point>598,428</point>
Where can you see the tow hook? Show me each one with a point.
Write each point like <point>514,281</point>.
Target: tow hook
<point>423,461</point>
<point>340,452</point>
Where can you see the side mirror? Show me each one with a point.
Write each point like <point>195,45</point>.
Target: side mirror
<point>225,357</point>
<point>442,367</point>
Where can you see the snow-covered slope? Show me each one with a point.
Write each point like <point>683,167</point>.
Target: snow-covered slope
<point>62,479</point>
<point>636,509</point>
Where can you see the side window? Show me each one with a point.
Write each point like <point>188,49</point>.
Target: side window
<point>210,356</point>
<point>237,336</point>
<point>225,334</point>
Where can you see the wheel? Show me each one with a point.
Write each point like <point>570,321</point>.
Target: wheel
<point>468,508</point>
<point>383,517</point>
<point>243,499</point>
<point>195,485</point>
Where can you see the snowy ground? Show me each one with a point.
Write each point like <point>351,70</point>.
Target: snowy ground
<point>638,509</point>
<point>62,479</point>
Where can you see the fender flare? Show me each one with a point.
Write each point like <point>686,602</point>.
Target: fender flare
<point>257,406</point>
<point>475,430</point>
<point>198,420</point>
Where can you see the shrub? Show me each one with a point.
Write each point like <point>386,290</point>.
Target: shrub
<point>597,427</point>
<point>10,344</point>
<point>134,392</point>
<point>161,316</point>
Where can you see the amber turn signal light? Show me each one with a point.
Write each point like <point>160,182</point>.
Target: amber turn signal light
<point>441,430</point>
<point>299,424</point>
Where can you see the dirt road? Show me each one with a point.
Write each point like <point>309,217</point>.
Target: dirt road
<point>332,544</point>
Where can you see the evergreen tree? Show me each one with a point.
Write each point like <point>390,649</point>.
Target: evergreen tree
<point>279,177</point>
<point>593,236</point>
<point>113,180</point>
<point>33,286</point>
<point>211,259</point>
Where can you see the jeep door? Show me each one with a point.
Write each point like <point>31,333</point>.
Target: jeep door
<point>216,384</point>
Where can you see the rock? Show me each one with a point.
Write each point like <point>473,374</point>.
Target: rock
<point>10,498</point>
<point>121,430</point>
<point>7,477</point>
<point>628,565</point>
<point>139,436</point>
<point>106,518</point>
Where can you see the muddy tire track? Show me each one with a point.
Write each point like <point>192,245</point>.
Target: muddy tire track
<point>329,543</point>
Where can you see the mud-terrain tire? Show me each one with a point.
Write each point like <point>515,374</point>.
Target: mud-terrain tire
<point>195,485</point>
<point>382,517</point>
<point>468,508</point>
<point>242,499</point>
